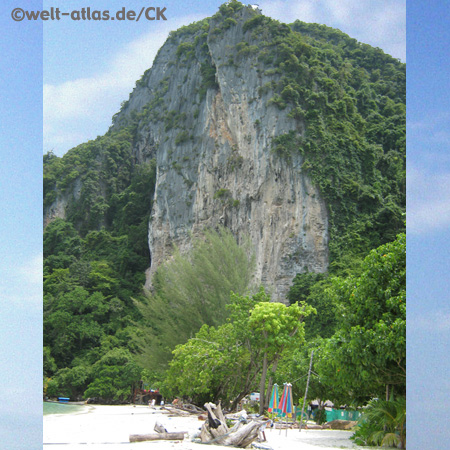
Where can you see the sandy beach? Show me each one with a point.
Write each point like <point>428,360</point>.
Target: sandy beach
<point>109,427</point>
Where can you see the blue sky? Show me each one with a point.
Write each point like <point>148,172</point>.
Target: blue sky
<point>20,232</point>
<point>91,67</point>
<point>87,69</point>
<point>428,260</point>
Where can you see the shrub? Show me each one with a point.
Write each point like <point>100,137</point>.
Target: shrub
<point>222,193</point>
<point>383,423</point>
<point>182,136</point>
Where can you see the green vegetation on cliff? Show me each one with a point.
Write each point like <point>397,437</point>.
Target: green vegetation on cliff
<point>364,352</point>
<point>348,103</point>
<point>351,97</point>
<point>190,291</point>
<point>94,261</point>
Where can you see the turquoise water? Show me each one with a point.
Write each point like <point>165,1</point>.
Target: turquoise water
<point>61,408</point>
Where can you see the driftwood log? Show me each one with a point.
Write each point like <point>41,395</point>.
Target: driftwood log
<point>161,434</point>
<point>189,407</point>
<point>177,436</point>
<point>216,431</point>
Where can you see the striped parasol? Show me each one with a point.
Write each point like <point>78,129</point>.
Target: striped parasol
<point>282,400</point>
<point>286,405</point>
<point>273,404</point>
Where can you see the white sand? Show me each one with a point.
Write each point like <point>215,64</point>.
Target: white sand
<point>109,427</point>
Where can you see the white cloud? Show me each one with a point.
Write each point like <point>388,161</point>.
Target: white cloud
<point>32,270</point>
<point>22,282</point>
<point>441,137</point>
<point>378,23</point>
<point>288,12</point>
<point>433,322</point>
<point>428,140</point>
<point>430,126</point>
<point>428,197</point>
<point>81,109</point>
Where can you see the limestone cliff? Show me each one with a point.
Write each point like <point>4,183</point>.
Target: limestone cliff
<point>214,159</point>
<point>205,112</point>
<point>291,136</point>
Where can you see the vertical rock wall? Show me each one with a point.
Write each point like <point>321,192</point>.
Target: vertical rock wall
<point>218,169</point>
<point>205,116</point>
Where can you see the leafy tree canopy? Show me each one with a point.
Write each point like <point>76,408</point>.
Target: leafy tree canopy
<point>348,100</point>
<point>193,289</point>
<point>229,361</point>
<point>368,351</point>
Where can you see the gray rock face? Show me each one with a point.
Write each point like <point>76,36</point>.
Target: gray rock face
<point>205,115</point>
<point>217,167</point>
<point>58,208</point>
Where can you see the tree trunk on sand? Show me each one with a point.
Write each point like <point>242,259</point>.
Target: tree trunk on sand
<point>178,436</point>
<point>237,400</point>
<point>209,432</point>
<point>218,432</point>
<point>270,383</point>
<point>262,384</point>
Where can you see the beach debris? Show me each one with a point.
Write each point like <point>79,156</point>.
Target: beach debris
<point>312,426</point>
<point>285,425</point>
<point>183,410</point>
<point>340,424</point>
<point>261,446</point>
<point>215,429</point>
<point>175,412</point>
<point>159,428</point>
<point>241,415</point>
<point>189,407</point>
<point>161,434</point>
<point>213,422</point>
<point>177,436</point>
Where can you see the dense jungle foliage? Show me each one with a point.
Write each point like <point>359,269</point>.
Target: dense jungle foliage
<point>351,97</point>
<point>102,335</point>
<point>94,263</point>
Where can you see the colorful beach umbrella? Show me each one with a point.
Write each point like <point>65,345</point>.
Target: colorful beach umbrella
<point>282,400</point>
<point>286,405</point>
<point>273,404</point>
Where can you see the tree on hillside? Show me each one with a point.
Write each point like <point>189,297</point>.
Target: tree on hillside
<point>116,375</point>
<point>227,363</point>
<point>218,364</point>
<point>294,367</point>
<point>276,328</point>
<point>192,290</point>
<point>209,367</point>
<point>368,352</point>
<point>312,289</point>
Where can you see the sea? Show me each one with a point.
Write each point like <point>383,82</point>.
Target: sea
<point>63,408</point>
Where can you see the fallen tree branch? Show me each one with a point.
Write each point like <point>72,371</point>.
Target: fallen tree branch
<point>215,430</point>
<point>177,436</point>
